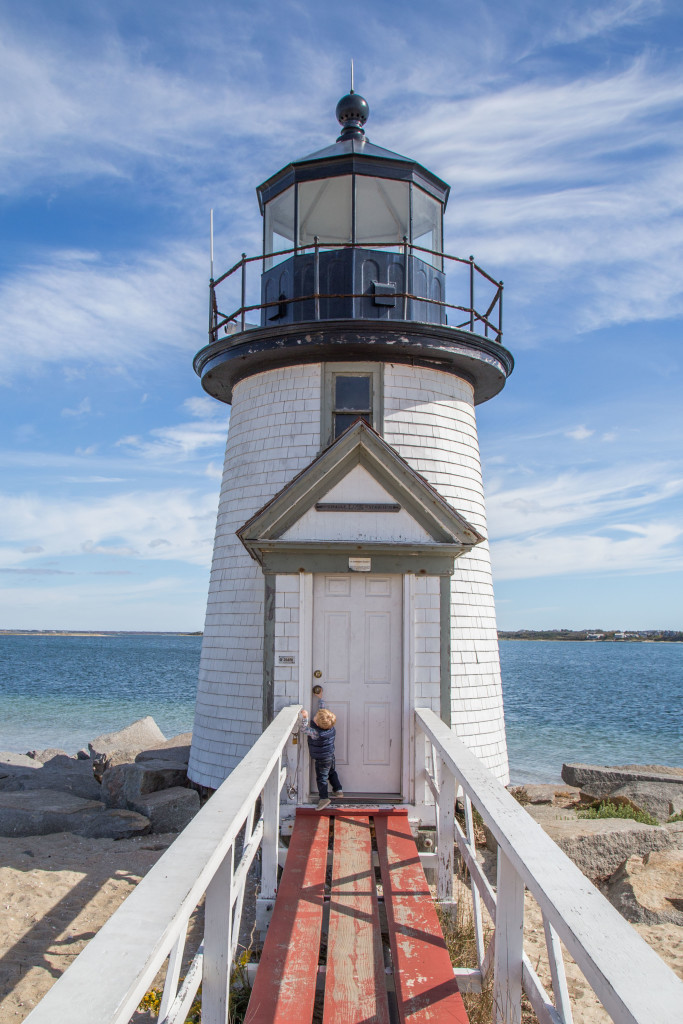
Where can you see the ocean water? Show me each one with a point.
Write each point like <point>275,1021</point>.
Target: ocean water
<point>599,703</point>
<point>564,701</point>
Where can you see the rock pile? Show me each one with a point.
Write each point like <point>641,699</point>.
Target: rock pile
<point>131,782</point>
<point>639,867</point>
<point>655,789</point>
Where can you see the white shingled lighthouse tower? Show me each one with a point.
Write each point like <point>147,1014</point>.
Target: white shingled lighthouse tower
<point>351,545</point>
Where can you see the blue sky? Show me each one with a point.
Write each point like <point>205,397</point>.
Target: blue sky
<point>558,127</point>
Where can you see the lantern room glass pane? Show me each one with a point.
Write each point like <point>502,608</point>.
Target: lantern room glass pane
<point>382,210</point>
<point>325,211</point>
<point>427,219</point>
<point>279,218</point>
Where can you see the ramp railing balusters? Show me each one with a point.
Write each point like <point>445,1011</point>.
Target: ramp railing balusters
<point>626,975</point>
<point>151,926</point>
<point>557,972</point>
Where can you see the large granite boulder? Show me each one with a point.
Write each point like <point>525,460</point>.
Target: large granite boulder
<point>599,845</point>
<point>177,748</point>
<point>138,736</point>
<point>649,889</point>
<point>169,810</point>
<point>116,823</point>
<point>656,789</point>
<point>61,772</point>
<point>661,800</point>
<point>124,785</point>
<point>110,759</point>
<point>47,754</point>
<point>9,760</point>
<point>42,811</point>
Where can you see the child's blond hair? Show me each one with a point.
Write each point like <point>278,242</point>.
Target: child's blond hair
<point>325,718</point>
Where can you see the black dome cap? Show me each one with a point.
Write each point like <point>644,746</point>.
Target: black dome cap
<point>352,113</point>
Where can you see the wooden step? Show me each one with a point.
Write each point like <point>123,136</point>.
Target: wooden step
<point>426,991</point>
<point>284,988</point>
<point>355,980</point>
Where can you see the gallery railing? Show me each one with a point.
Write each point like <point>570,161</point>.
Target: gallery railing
<point>486,319</point>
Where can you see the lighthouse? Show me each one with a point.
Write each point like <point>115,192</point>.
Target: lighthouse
<point>351,545</point>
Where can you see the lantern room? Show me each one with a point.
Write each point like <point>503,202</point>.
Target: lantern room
<point>353,230</point>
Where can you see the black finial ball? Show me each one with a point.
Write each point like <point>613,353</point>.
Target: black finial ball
<point>352,109</point>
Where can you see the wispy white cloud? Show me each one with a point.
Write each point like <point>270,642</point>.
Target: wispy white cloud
<point>165,524</point>
<point>580,433</point>
<point>597,20</point>
<point>184,440</point>
<point>81,409</point>
<point>654,548</point>
<point>80,308</point>
<point>551,503</point>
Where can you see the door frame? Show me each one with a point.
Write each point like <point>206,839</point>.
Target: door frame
<point>406,795</point>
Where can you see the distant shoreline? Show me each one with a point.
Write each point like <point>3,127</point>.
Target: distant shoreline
<point>102,633</point>
<point>543,636</point>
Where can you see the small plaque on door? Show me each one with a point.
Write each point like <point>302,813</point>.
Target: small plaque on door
<point>286,659</point>
<point>360,564</point>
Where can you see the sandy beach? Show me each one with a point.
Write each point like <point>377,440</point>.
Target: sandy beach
<point>56,892</point>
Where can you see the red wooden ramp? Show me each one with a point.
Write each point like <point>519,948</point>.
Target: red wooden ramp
<point>361,977</point>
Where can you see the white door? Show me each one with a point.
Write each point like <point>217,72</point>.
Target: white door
<point>357,648</point>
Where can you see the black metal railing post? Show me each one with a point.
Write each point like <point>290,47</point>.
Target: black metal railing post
<point>406,267</point>
<point>244,288</point>
<point>316,278</point>
<point>500,312</point>
<point>472,293</point>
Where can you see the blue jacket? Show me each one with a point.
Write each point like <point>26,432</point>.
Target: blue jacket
<point>320,741</point>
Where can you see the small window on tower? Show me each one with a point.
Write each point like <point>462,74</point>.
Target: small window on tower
<point>352,399</point>
<point>351,391</point>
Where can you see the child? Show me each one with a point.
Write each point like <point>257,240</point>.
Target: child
<point>321,748</point>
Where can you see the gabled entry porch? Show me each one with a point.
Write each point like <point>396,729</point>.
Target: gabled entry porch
<point>357,553</point>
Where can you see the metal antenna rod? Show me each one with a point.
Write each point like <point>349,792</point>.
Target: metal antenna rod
<point>352,74</point>
<point>211,243</point>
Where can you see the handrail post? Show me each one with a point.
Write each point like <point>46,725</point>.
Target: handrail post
<point>420,766</point>
<point>217,967</point>
<point>244,288</point>
<point>446,834</point>
<point>557,973</point>
<point>406,267</point>
<point>316,278</point>
<point>509,944</point>
<point>271,828</point>
<point>472,293</point>
<point>500,311</point>
<point>212,308</point>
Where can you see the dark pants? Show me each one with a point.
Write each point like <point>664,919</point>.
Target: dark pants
<point>325,770</point>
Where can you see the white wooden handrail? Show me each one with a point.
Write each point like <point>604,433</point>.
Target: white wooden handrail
<point>634,985</point>
<point>109,978</point>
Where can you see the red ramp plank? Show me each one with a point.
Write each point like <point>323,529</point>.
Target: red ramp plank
<point>355,982</point>
<point>426,991</point>
<point>284,988</point>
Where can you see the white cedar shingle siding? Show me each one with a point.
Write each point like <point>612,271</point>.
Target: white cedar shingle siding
<point>429,420</point>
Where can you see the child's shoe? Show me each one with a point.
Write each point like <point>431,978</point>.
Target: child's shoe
<point>323,803</point>
<point>338,793</point>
